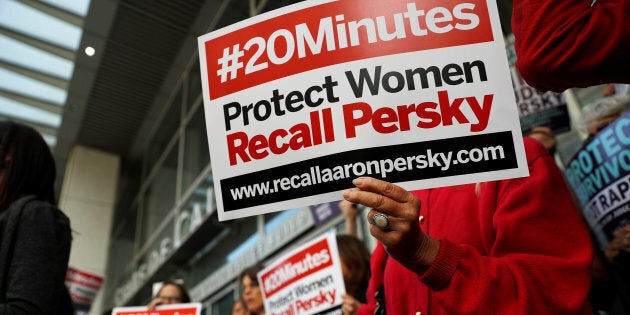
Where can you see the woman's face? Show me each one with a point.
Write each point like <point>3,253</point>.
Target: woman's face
<point>252,295</point>
<point>170,294</point>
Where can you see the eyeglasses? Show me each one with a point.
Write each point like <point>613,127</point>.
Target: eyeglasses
<point>170,299</point>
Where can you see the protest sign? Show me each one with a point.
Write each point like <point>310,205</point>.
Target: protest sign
<point>83,287</point>
<point>546,109</point>
<point>599,174</point>
<point>169,309</point>
<point>301,100</point>
<point>307,280</point>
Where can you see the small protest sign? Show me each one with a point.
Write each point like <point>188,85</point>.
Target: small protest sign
<point>83,287</point>
<point>599,174</point>
<point>169,309</point>
<point>307,280</point>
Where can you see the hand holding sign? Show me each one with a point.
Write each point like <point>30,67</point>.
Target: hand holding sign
<point>402,237</point>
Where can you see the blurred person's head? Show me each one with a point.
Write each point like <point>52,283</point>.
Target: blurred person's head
<point>26,164</point>
<point>172,292</point>
<point>239,307</point>
<point>252,296</point>
<point>355,263</point>
<point>597,115</point>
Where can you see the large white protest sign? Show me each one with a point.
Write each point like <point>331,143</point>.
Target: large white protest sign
<point>302,100</point>
<point>307,280</point>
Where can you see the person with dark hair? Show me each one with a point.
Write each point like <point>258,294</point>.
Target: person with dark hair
<point>171,292</point>
<point>35,236</point>
<point>250,289</point>
<point>355,265</point>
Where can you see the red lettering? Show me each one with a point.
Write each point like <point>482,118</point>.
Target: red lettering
<point>242,148</point>
<point>237,144</point>
<point>365,113</point>
<point>384,116</point>
<point>423,111</point>
<point>445,112</point>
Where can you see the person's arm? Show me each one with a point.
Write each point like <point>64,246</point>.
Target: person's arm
<point>39,262</point>
<point>569,43</point>
<point>539,260</point>
<point>350,212</point>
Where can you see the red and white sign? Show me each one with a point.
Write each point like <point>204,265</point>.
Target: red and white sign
<point>308,280</point>
<point>83,286</point>
<point>301,100</point>
<point>170,309</point>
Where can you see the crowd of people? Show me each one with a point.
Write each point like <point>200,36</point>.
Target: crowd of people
<point>514,246</point>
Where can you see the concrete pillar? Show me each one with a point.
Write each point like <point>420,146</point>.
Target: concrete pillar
<point>87,197</point>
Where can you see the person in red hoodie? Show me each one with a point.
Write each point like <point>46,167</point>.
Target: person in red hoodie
<point>515,246</point>
<point>562,44</point>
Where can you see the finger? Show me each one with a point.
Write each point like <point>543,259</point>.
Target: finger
<point>382,187</point>
<point>405,210</point>
<point>394,223</point>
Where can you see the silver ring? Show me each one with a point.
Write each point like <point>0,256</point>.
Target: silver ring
<point>381,221</point>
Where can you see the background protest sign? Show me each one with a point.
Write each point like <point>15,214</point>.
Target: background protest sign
<point>83,287</point>
<point>307,280</point>
<point>548,109</point>
<point>301,100</point>
<point>599,174</point>
<point>170,309</point>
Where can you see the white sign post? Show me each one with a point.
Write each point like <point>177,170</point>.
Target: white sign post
<point>301,100</point>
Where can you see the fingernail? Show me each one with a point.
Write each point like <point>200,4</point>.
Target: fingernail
<point>357,181</point>
<point>346,194</point>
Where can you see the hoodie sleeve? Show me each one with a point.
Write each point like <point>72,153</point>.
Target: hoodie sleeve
<point>572,43</point>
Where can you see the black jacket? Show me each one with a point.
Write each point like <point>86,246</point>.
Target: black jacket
<point>35,243</point>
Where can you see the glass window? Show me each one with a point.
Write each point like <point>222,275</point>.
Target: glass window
<point>194,86</point>
<point>196,209</point>
<point>160,195</point>
<point>164,131</point>
<point>196,153</point>
<point>122,245</point>
<point>78,7</point>
<point>238,235</point>
<point>272,220</point>
<point>25,19</point>
<point>11,108</point>
<point>224,304</point>
<point>23,85</point>
<point>14,51</point>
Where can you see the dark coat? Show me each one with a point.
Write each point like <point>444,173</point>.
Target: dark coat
<point>35,243</point>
